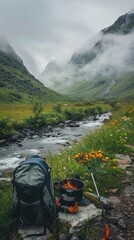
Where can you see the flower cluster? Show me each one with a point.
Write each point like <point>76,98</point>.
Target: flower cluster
<point>84,158</point>
<point>125,118</point>
<point>115,122</point>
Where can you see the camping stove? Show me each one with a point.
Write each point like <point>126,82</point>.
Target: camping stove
<point>71,193</point>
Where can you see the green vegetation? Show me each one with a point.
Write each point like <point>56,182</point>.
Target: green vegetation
<point>18,85</point>
<point>6,224</point>
<point>96,88</point>
<point>40,115</point>
<point>96,153</point>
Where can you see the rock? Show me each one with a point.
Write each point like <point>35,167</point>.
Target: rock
<point>19,145</point>
<point>119,237</point>
<point>122,224</point>
<point>129,190</point>
<point>114,230</point>
<point>123,159</point>
<point>2,142</point>
<point>15,137</point>
<point>62,236</point>
<point>112,220</point>
<point>25,231</point>
<point>68,121</point>
<point>49,128</point>
<point>77,220</point>
<point>129,173</point>
<point>130,167</point>
<point>126,181</point>
<point>106,203</point>
<point>98,202</point>
<point>115,190</point>
<point>61,125</point>
<point>93,199</point>
<point>74,238</point>
<point>114,200</point>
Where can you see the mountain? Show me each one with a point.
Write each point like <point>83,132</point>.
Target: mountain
<point>123,25</point>
<point>53,75</point>
<point>102,68</point>
<point>17,84</point>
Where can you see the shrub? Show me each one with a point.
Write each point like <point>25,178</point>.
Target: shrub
<point>6,127</point>
<point>37,109</point>
<point>74,114</point>
<point>36,122</point>
<point>57,108</point>
<point>54,118</point>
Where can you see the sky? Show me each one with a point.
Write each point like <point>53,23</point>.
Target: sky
<point>44,30</point>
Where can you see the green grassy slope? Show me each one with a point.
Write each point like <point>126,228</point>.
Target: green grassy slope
<point>97,88</point>
<point>17,84</point>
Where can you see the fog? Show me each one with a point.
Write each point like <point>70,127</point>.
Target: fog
<point>118,53</point>
<point>43,30</point>
<point>115,56</point>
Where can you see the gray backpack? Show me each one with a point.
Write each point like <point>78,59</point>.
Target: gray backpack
<point>33,194</point>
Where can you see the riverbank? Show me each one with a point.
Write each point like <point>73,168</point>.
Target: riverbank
<point>47,141</point>
<point>99,149</point>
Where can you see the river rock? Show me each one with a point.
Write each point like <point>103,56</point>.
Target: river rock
<point>49,128</point>
<point>74,124</point>
<point>68,121</point>
<point>61,125</point>
<point>15,137</point>
<point>2,142</point>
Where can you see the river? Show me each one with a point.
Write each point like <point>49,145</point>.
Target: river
<point>54,142</point>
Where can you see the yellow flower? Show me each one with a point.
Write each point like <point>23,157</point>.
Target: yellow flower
<point>105,159</point>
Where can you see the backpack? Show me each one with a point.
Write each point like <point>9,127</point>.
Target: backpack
<point>33,194</point>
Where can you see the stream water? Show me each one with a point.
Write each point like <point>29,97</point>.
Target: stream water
<point>53,142</point>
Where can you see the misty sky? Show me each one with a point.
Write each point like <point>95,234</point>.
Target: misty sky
<point>43,30</point>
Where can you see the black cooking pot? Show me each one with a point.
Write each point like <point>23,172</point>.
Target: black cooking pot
<point>77,194</point>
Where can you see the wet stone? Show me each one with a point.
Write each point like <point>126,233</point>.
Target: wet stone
<point>114,200</point>
<point>122,224</point>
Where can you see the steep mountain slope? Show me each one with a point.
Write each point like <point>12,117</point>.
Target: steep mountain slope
<point>123,25</point>
<point>103,68</point>
<point>17,84</point>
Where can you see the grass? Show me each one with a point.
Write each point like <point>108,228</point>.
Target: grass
<point>113,138</point>
<point>22,111</point>
<point>95,88</point>
<point>5,211</point>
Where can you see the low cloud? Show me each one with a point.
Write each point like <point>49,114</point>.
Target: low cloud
<point>117,54</point>
<point>114,56</point>
<point>54,29</point>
